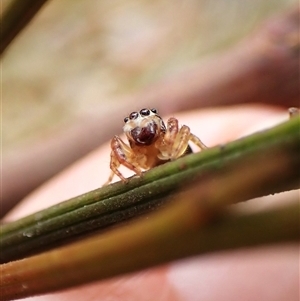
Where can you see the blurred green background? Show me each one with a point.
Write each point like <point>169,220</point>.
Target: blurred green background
<point>80,56</point>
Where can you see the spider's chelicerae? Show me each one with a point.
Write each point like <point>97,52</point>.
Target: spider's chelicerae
<point>151,143</point>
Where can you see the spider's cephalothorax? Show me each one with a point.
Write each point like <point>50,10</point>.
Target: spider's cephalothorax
<point>151,143</point>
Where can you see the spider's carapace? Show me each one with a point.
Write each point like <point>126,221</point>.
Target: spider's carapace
<point>151,143</point>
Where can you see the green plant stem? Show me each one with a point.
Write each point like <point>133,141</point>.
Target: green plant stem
<point>16,17</point>
<point>180,231</point>
<point>118,202</point>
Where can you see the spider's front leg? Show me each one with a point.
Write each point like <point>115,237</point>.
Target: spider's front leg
<point>177,140</point>
<point>121,153</point>
<point>170,136</point>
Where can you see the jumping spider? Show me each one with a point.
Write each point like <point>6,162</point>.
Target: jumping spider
<point>151,143</point>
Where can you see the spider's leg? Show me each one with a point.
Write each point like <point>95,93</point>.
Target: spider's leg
<point>177,140</point>
<point>181,142</point>
<point>170,136</point>
<point>121,154</point>
<point>197,142</point>
<point>114,165</point>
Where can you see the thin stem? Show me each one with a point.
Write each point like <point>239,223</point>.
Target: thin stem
<point>106,206</point>
<point>184,229</point>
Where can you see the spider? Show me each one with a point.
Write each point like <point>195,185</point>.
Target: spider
<point>151,143</point>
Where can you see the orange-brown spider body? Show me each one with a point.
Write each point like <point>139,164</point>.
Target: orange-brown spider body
<point>151,143</point>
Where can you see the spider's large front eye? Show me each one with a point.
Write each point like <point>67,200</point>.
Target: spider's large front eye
<point>126,119</point>
<point>133,115</point>
<point>145,112</point>
<point>154,111</point>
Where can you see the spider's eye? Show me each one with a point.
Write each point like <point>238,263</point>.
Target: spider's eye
<point>133,115</point>
<point>145,112</point>
<point>154,111</point>
<point>126,119</point>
